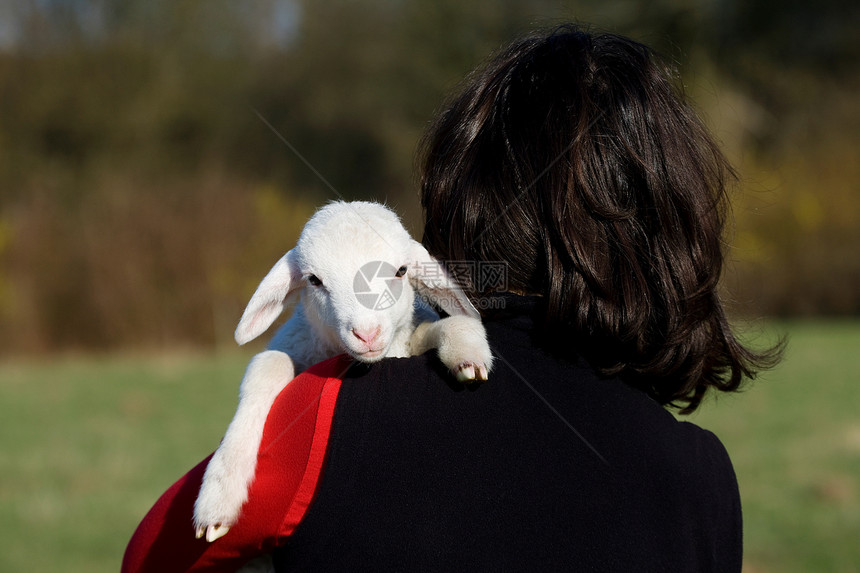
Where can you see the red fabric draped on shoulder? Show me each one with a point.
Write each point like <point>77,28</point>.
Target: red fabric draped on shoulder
<point>289,465</point>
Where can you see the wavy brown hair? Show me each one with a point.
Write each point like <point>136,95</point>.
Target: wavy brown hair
<point>575,158</point>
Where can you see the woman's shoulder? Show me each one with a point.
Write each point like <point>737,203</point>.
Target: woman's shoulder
<point>535,388</point>
<point>554,444</point>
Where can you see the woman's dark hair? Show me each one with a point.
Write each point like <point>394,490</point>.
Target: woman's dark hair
<point>573,158</point>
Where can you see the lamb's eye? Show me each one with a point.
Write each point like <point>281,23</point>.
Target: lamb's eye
<point>401,271</point>
<point>314,280</point>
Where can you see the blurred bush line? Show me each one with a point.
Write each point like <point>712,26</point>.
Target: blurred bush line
<point>147,181</point>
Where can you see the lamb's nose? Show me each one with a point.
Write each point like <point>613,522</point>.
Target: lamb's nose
<point>367,335</point>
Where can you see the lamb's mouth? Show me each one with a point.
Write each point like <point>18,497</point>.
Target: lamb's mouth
<point>371,355</point>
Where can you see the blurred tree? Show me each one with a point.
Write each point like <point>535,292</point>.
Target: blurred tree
<point>156,156</point>
<point>795,66</point>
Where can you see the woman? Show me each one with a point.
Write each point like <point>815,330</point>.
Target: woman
<point>571,160</point>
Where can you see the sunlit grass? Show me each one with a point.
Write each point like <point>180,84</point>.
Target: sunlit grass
<point>794,437</point>
<point>87,445</point>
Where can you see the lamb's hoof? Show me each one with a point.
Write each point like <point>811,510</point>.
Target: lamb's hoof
<point>471,372</point>
<point>213,532</point>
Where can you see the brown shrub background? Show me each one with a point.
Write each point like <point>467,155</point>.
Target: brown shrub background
<point>147,180</point>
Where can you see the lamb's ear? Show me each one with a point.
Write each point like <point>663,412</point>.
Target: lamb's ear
<point>270,298</point>
<point>430,278</point>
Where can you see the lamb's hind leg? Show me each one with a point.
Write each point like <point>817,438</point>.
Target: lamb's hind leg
<point>462,345</point>
<point>231,470</point>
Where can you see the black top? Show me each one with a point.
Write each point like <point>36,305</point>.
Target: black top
<point>545,467</point>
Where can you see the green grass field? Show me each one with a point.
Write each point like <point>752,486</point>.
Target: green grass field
<point>794,438</point>
<point>87,445</point>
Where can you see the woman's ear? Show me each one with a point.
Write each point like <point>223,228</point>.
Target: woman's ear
<point>270,298</point>
<point>432,280</point>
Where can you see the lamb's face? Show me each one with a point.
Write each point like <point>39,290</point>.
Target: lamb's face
<point>355,265</point>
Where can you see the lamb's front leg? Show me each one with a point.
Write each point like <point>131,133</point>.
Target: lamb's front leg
<point>231,470</point>
<point>461,342</point>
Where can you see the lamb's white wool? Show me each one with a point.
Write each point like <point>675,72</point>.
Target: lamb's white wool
<point>356,271</point>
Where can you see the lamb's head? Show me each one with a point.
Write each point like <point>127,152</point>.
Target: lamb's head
<point>357,270</point>
<point>355,258</point>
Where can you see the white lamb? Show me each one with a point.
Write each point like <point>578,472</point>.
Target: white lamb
<point>356,270</point>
